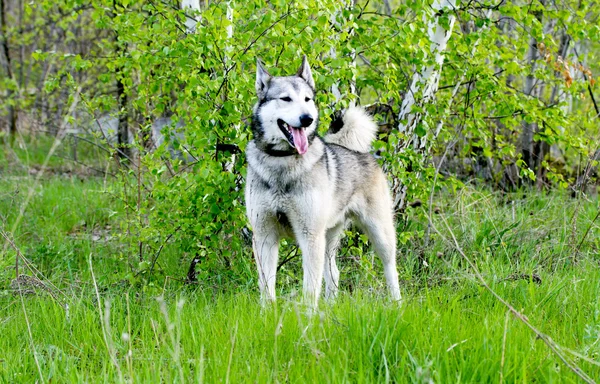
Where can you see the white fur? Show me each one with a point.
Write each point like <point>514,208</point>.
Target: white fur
<point>358,132</point>
<point>307,189</point>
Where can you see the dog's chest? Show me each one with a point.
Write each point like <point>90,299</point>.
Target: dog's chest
<point>285,194</point>
<point>283,190</point>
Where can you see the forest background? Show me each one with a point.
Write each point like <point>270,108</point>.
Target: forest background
<point>124,127</point>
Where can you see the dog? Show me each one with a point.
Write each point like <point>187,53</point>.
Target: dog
<point>308,187</point>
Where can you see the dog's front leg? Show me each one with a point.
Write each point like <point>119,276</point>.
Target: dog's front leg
<point>313,262</point>
<point>266,252</point>
<point>332,273</point>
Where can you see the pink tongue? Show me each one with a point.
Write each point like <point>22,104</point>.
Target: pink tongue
<point>300,140</point>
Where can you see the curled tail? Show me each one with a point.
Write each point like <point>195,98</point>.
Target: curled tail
<point>355,130</point>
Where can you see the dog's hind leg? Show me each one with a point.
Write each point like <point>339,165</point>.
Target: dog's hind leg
<point>331,272</point>
<point>383,237</point>
<point>266,253</point>
<point>378,222</point>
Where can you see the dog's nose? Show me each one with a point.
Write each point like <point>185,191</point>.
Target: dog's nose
<point>306,120</point>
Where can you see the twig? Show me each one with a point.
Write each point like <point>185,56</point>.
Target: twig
<point>288,258</point>
<point>78,138</point>
<point>586,233</point>
<point>99,171</point>
<point>113,149</point>
<point>160,250</point>
<point>139,205</point>
<point>503,347</point>
<point>582,357</point>
<point>524,276</point>
<point>472,81</point>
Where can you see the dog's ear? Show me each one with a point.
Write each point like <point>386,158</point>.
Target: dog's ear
<point>262,80</point>
<point>305,73</point>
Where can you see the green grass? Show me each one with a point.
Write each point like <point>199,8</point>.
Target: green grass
<point>451,333</point>
<point>58,226</point>
<point>71,156</point>
<point>448,329</point>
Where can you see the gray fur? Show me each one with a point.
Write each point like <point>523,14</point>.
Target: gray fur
<point>311,197</point>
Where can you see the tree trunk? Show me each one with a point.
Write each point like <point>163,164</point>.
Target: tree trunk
<point>426,80</point>
<point>527,144</point>
<point>591,166</point>
<point>542,148</point>
<point>12,112</point>
<point>123,149</point>
<point>123,127</point>
<point>528,128</point>
<point>192,8</point>
<point>387,7</point>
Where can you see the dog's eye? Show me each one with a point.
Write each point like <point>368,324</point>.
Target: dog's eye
<point>307,99</point>
<point>286,99</point>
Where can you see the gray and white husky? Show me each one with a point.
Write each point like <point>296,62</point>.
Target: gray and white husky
<point>307,187</point>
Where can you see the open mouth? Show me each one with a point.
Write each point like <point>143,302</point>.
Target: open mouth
<point>296,136</point>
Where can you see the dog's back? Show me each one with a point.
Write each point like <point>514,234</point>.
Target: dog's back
<point>357,173</point>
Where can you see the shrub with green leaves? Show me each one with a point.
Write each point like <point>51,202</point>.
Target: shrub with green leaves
<point>515,101</point>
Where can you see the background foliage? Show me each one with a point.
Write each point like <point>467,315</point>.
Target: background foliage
<point>515,107</point>
<point>122,169</point>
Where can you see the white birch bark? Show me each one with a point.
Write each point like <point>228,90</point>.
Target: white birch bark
<point>229,29</point>
<point>425,82</point>
<point>353,62</point>
<point>192,8</point>
<point>335,89</point>
<point>227,59</point>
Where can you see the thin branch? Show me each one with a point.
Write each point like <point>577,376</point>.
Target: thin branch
<point>586,233</point>
<point>283,17</point>
<point>288,258</point>
<point>157,254</point>
<point>467,82</point>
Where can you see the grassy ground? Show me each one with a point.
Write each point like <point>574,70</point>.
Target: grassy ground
<point>452,333</point>
<point>84,327</point>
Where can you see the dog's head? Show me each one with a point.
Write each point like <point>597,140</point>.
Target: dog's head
<point>285,115</point>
